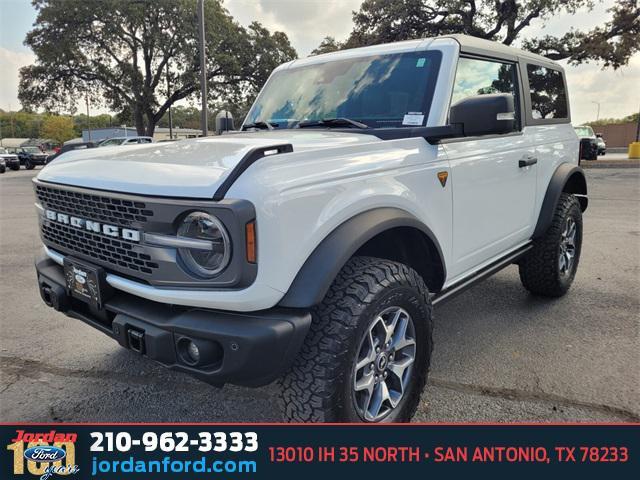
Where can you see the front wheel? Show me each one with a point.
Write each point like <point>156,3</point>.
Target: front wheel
<point>367,354</point>
<point>15,167</point>
<point>28,165</point>
<point>550,267</point>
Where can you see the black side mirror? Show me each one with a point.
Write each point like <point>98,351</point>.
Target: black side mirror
<point>224,122</point>
<point>485,114</point>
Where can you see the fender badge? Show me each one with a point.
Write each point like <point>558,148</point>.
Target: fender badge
<point>442,176</point>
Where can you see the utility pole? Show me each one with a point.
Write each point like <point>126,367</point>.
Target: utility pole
<point>86,98</point>
<point>13,128</point>
<point>597,114</point>
<point>170,114</point>
<point>203,70</point>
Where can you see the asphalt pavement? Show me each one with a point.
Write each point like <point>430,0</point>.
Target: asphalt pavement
<point>500,353</point>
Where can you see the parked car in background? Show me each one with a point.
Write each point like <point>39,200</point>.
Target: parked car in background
<point>69,147</point>
<point>11,160</point>
<point>122,141</point>
<point>588,142</point>
<point>30,156</point>
<point>602,146</point>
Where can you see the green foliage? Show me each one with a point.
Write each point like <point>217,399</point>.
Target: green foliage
<point>633,118</point>
<point>612,44</point>
<point>121,53</point>
<point>58,128</point>
<point>328,45</point>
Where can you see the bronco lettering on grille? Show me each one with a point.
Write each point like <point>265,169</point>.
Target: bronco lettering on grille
<point>96,227</point>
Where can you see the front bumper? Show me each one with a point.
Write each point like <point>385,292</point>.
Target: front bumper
<point>38,160</point>
<point>12,162</point>
<point>249,349</point>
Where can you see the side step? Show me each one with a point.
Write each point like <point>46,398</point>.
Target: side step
<point>457,288</point>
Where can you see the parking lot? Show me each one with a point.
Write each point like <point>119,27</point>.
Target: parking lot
<point>500,354</point>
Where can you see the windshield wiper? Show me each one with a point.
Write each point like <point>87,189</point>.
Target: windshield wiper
<point>259,124</point>
<point>331,122</point>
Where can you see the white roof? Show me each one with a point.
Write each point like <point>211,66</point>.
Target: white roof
<point>468,44</point>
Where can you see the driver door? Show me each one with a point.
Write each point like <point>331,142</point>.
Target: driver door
<point>493,196</point>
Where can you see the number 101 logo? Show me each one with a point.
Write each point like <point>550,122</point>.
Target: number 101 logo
<point>45,454</point>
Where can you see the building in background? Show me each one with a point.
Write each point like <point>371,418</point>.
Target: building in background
<point>617,135</point>
<point>161,133</point>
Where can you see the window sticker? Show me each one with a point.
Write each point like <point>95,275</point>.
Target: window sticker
<point>413,118</point>
<point>420,63</point>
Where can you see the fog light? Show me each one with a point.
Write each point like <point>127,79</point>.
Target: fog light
<point>194,352</point>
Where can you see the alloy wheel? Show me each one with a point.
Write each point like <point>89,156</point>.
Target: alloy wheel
<point>383,366</point>
<point>567,253</point>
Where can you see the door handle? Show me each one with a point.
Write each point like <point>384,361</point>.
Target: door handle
<point>527,161</point>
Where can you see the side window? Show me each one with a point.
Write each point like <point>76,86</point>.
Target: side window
<point>548,95</point>
<point>481,77</point>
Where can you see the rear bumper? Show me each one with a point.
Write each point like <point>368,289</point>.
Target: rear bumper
<point>249,349</point>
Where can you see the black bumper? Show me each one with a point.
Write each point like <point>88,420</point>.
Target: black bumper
<point>12,163</point>
<point>249,349</point>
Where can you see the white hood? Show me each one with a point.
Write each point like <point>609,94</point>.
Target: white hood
<point>187,168</point>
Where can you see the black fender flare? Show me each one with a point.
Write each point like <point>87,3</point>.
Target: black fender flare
<point>568,177</point>
<point>325,262</point>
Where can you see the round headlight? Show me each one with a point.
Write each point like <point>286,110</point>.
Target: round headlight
<point>214,255</point>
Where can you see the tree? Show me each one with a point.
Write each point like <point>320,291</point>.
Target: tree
<point>58,128</point>
<point>118,52</point>
<point>612,44</point>
<point>328,45</point>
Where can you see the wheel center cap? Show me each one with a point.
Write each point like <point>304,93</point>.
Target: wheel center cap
<point>382,362</point>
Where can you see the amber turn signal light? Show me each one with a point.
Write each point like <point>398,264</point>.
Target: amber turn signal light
<point>250,231</point>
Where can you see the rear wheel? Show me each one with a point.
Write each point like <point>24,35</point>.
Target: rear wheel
<point>367,354</point>
<point>15,167</point>
<point>28,165</point>
<point>550,267</point>
<point>3,168</point>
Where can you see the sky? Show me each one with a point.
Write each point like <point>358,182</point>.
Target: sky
<point>307,22</point>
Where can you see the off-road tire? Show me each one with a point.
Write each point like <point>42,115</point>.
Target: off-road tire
<point>318,387</point>
<point>539,269</point>
<point>28,165</point>
<point>3,169</point>
<point>15,168</point>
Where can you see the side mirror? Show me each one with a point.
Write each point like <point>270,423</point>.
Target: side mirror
<point>485,114</point>
<point>224,122</point>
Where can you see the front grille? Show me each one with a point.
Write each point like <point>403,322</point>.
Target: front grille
<point>109,210</point>
<point>117,254</point>
<point>99,248</point>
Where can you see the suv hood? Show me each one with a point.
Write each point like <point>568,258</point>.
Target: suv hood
<point>192,168</point>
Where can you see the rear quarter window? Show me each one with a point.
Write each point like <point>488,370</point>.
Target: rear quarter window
<point>547,92</point>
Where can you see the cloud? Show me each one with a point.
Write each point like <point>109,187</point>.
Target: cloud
<point>616,91</point>
<point>10,64</point>
<point>306,22</point>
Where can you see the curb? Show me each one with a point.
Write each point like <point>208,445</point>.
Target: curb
<point>635,163</point>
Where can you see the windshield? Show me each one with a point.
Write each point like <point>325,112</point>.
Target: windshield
<point>379,91</point>
<point>3,150</point>
<point>112,142</point>
<point>31,149</point>
<point>584,131</point>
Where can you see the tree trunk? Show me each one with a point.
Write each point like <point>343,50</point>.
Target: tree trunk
<point>151,124</point>
<point>151,128</point>
<point>138,118</point>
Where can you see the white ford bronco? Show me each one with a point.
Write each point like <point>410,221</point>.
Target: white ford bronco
<point>365,187</point>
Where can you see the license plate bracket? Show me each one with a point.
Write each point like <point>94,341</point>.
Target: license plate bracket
<point>86,282</point>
